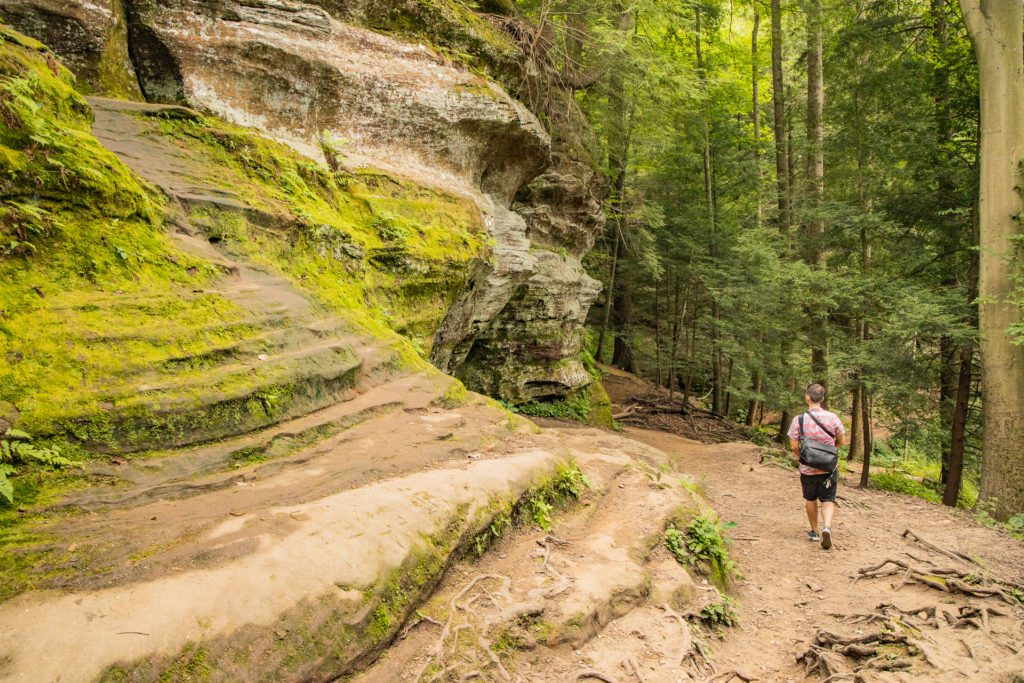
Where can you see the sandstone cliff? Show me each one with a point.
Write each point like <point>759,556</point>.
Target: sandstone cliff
<point>416,91</point>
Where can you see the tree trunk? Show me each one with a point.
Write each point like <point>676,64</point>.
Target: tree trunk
<point>965,380</point>
<point>673,378</point>
<point>755,114</point>
<point>784,421</point>
<point>779,109</point>
<point>622,353</point>
<point>657,333</point>
<point>608,297</point>
<point>618,164</point>
<point>856,447</point>
<point>947,396</point>
<point>815,177</point>
<point>995,30</point>
<point>865,406</point>
<point>754,403</point>
<point>958,439</point>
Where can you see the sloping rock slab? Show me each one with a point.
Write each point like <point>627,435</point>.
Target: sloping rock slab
<point>306,603</point>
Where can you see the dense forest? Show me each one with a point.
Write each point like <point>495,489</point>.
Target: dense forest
<point>794,197</point>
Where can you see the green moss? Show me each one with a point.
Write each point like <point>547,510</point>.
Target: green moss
<point>565,486</point>
<point>190,667</point>
<point>454,397</point>
<point>115,73</point>
<point>91,287</point>
<point>390,253</point>
<point>451,27</point>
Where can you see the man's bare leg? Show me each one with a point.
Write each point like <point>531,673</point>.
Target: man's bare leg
<point>812,514</point>
<point>827,510</point>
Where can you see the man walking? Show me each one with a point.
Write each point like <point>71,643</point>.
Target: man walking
<point>817,424</point>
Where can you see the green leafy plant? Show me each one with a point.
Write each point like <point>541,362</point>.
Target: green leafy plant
<point>703,545</point>
<point>675,541</point>
<point>721,613</point>
<point>17,447</point>
<point>540,511</point>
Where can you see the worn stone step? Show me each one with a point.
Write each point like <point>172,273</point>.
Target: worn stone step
<point>234,592</point>
<point>539,596</point>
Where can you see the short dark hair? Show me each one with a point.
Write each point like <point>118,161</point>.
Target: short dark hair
<point>816,393</point>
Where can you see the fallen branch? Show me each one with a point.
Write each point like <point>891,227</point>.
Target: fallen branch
<point>952,554</point>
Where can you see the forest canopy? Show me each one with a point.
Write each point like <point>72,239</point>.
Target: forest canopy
<point>793,197</point>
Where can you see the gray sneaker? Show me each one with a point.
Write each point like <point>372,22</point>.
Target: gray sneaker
<point>813,536</point>
<point>826,538</point>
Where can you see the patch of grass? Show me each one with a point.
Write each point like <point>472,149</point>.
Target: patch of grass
<point>898,482</point>
<point>454,397</point>
<point>576,407</point>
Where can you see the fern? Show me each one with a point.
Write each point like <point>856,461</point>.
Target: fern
<point>17,447</point>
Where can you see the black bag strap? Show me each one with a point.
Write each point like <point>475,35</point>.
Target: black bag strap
<point>817,421</point>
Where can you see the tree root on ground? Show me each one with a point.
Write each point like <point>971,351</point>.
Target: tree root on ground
<point>727,676</point>
<point>596,675</point>
<point>951,554</point>
<point>945,579</point>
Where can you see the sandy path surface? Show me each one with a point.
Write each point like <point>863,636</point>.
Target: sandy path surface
<point>792,587</point>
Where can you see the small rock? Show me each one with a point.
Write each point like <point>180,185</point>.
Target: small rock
<point>236,513</point>
<point>281,634</point>
<point>263,356</point>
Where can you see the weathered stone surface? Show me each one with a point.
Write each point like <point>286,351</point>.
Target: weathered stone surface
<point>296,72</point>
<point>89,36</point>
<point>311,74</point>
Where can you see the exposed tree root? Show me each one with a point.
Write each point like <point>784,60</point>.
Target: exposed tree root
<point>596,675</point>
<point>727,676</point>
<point>945,579</point>
<point>952,554</point>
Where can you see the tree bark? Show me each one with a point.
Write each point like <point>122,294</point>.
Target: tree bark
<point>779,109</point>
<point>753,404</point>
<point>995,30</point>
<point>958,439</point>
<point>608,298</point>
<point>865,407</point>
<point>815,177</point>
<point>856,445</point>
<point>657,333</point>
<point>755,113</point>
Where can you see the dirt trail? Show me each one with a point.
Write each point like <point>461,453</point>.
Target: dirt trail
<point>790,589</point>
<point>780,612</point>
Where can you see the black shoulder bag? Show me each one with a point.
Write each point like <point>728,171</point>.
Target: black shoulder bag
<point>820,456</point>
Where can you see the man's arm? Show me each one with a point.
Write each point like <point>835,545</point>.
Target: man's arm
<point>794,446</point>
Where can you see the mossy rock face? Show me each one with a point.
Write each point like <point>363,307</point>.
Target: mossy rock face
<point>91,38</point>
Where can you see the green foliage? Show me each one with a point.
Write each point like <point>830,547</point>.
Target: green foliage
<point>576,407</point>
<point>16,447</point>
<point>702,544</point>
<point>901,483</point>
<point>536,507</point>
<point>539,510</point>
<point>675,541</point>
<point>720,613</point>
<point>1014,526</point>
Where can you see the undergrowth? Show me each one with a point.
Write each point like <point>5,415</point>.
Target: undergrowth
<point>702,544</point>
<point>536,507</point>
<point>16,447</point>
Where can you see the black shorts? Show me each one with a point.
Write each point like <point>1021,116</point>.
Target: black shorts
<point>820,486</point>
